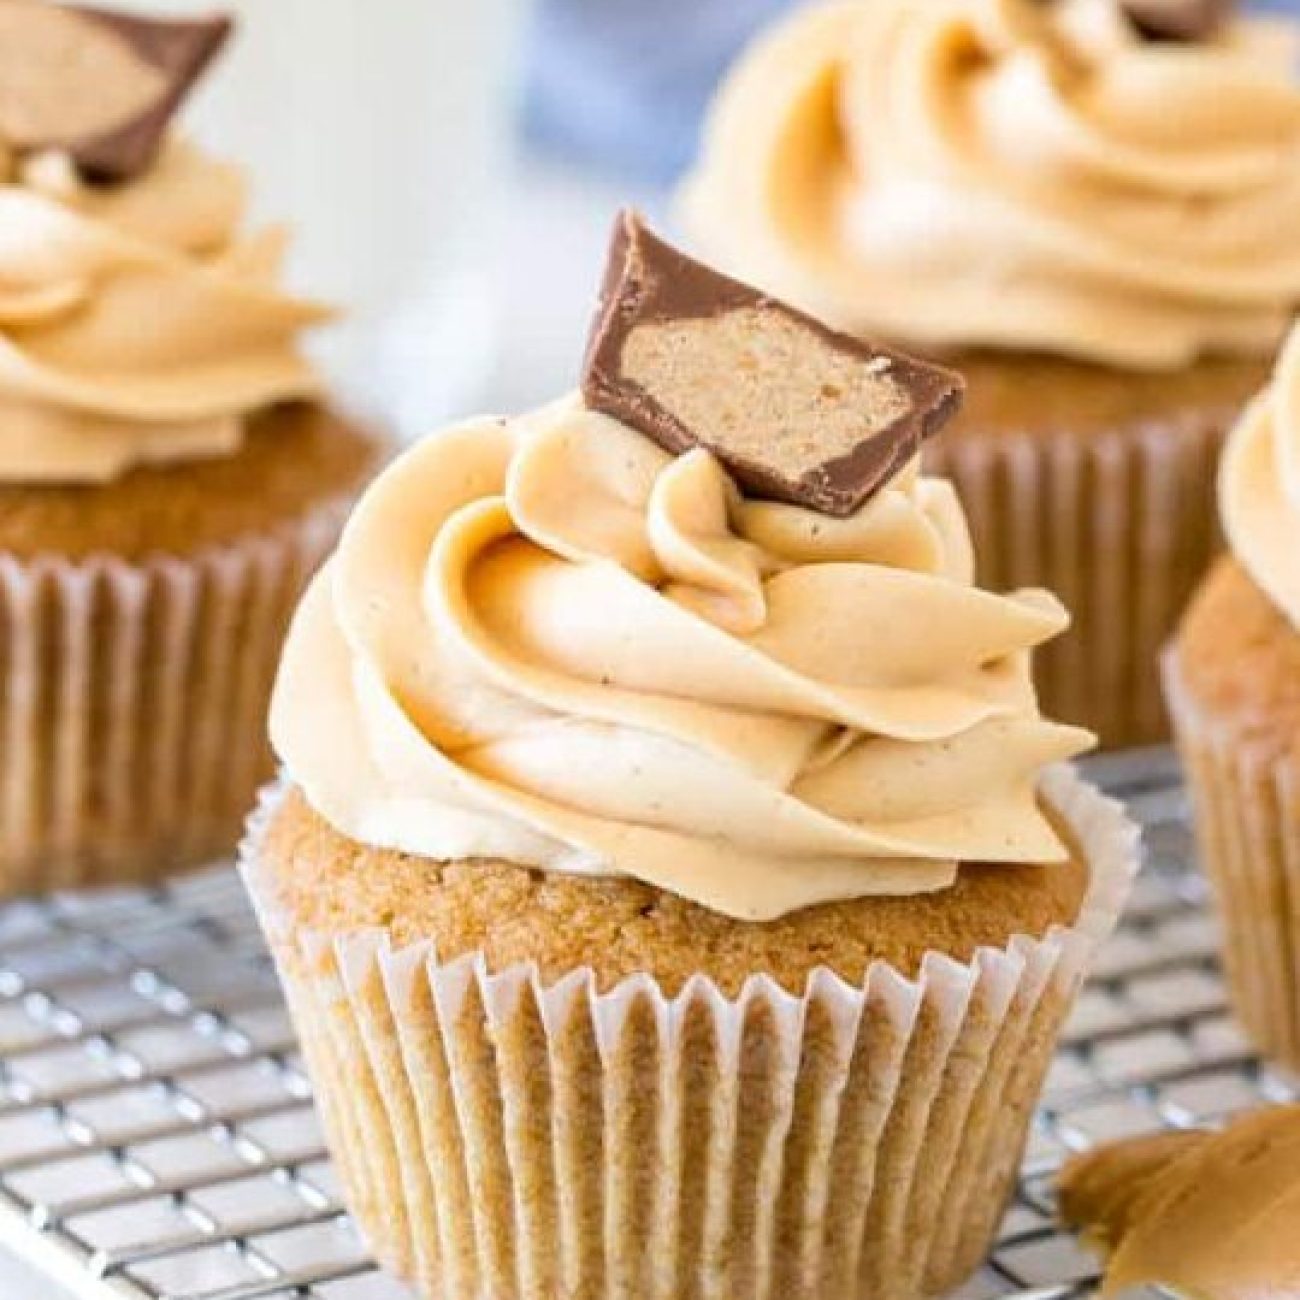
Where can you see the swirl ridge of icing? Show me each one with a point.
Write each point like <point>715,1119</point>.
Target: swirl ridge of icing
<point>1259,486</point>
<point>1008,174</point>
<point>546,640</point>
<point>137,322</point>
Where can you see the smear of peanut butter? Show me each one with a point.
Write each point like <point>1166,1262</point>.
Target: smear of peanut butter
<point>1213,1216</point>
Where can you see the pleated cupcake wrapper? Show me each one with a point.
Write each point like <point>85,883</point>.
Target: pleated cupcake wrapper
<point>1120,525</point>
<point>133,700</point>
<point>1247,810</point>
<point>501,1137</point>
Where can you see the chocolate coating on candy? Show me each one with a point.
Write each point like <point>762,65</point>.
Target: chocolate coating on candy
<point>795,411</point>
<point>1178,20</point>
<point>100,85</point>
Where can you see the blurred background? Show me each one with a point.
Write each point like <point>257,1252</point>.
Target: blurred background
<point>450,168</point>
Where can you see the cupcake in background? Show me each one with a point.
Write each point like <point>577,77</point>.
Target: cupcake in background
<point>170,473</point>
<point>675,885</point>
<point>1091,210</point>
<point>1232,678</point>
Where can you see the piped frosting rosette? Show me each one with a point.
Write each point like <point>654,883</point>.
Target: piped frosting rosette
<point>548,641</point>
<point>137,323</point>
<point>1006,173</point>
<point>1259,486</point>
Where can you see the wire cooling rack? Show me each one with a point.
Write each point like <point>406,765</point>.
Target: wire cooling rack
<point>157,1138</point>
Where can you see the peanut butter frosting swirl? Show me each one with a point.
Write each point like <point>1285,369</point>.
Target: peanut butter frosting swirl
<point>137,322</point>
<point>1259,486</point>
<point>545,640</point>
<point>1015,174</point>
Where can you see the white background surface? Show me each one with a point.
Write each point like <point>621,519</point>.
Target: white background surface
<point>17,1282</point>
<point>549,267</point>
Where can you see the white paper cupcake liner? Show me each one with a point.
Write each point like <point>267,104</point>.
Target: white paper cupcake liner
<point>500,1137</point>
<point>1121,526</point>
<point>1247,811</point>
<point>133,699</point>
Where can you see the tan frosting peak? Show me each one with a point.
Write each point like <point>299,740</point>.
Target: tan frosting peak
<point>1259,486</point>
<point>1004,173</point>
<point>136,322</point>
<point>1211,1216</point>
<point>548,641</point>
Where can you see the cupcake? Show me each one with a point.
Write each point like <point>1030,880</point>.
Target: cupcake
<point>1232,678</point>
<point>1087,208</point>
<point>170,474</point>
<point>676,888</point>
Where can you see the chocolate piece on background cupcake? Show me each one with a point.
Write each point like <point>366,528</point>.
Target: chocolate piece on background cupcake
<point>709,851</point>
<point>170,469</point>
<point>1207,1215</point>
<point>98,86</point>
<point>1095,228</point>
<point>1232,679</point>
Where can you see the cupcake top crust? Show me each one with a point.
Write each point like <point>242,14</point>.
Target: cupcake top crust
<point>515,915</point>
<point>1076,177</point>
<point>552,641</point>
<point>138,323</point>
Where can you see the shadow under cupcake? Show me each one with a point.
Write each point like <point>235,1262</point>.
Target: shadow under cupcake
<point>675,886</point>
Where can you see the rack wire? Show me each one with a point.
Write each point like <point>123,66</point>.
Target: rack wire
<point>157,1138</point>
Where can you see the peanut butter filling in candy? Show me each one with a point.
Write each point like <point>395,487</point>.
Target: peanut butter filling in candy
<point>1212,1216</point>
<point>100,86</point>
<point>795,411</point>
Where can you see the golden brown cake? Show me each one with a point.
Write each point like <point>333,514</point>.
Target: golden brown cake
<point>1238,661</point>
<point>674,881</point>
<point>331,884</point>
<point>293,458</point>
<point>170,470</point>
<point>1008,186</point>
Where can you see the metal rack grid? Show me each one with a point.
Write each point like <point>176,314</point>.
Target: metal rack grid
<point>157,1138</point>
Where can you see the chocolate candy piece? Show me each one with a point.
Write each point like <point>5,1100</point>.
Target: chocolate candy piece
<point>795,411</point>
<point>98,85</point>
<point>1178,20</point>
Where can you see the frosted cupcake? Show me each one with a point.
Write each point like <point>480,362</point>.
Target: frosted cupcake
<point>1232,677</point>
<point>1087,210</point>
<point>675,885</point>
<point>169,473</point>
